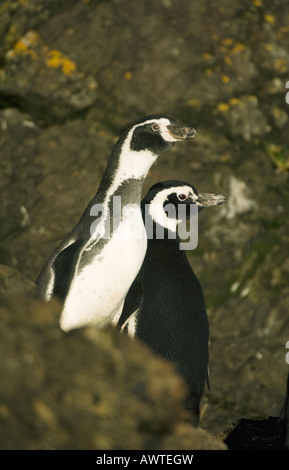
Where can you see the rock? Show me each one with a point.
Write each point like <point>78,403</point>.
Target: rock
<point>44,81</point>
<point>249,434</point>
<point>244,117</point>
<point>86,390</point>
<point>239,200</point>
<point>12,282</point>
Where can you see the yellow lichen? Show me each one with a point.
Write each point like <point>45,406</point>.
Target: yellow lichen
<point>25,45</point>
<point>54,59</point>
<point>277,112</point>
<point>207,56</point>
<point>57,59</point>
<point>234,101</point>
<point>223,107</point>
<point>128,76</point>
<point>257,3</point>
<point>33,46</point>
<point>237,48</point>
<point>228,61</point>
<point>20,48</point>
<point>228,41</point>
<point>270,19</point>
<point>225,78</point>
<point>281,65</point>
<point>68,66</point>
<point>208,72</point>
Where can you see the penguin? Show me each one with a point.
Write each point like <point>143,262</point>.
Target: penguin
<point>165,306</point>
<point>91,270</point>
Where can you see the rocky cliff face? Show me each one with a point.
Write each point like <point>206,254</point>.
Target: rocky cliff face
<point>72,75</point>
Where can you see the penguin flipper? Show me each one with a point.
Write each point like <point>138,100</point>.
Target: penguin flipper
<point>65,266</point>
<point>55,277</point>
<point>131,304</point>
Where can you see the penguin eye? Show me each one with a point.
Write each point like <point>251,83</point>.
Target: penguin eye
<point>155,127</point>
<point>182,197</point>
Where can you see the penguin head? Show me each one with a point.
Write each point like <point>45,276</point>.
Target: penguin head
<point>158,133</point>
<point>169,202</point>
<point>155,134</point>
<point>140,145</point>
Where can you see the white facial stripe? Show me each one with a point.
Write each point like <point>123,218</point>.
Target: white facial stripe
<point>156,207</point>
<point>163,123</point>
<point>164,130</point>
<point>167,136</point>
<point>137,164</point>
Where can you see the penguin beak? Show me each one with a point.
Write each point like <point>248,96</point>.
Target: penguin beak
<point>181,133</point>
<point>208,199</point>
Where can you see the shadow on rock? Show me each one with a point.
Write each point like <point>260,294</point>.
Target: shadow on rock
<point>266,434</point>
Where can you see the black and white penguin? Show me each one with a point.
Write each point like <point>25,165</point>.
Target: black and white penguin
<point>165,306</point>
<point>93,267</point>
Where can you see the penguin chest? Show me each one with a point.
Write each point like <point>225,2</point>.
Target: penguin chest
<point>98,290</point>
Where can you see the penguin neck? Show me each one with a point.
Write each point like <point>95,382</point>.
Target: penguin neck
<point>125,165</point>
<point>161,237</point>
<point>163,241</point>
<point>167,251</point>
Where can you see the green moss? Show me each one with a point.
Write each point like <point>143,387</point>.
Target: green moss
<point>279,156</point>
